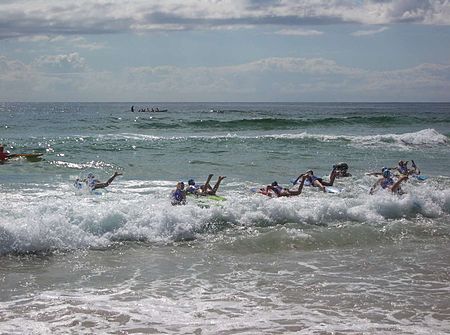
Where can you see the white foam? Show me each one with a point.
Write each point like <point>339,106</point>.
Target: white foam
<point>36,219</point>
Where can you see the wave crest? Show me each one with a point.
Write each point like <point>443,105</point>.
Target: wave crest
<point>71,221</point>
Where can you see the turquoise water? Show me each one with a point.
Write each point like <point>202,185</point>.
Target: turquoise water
<point>128,261</point>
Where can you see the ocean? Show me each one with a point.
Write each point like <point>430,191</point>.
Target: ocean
<point>125,261</point>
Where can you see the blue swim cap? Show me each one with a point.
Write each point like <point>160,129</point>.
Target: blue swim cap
<point>386,173</point>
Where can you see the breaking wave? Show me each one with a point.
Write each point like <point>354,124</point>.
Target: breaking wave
<point>43,220</point>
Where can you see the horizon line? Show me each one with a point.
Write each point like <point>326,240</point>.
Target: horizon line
<point>224,102</point>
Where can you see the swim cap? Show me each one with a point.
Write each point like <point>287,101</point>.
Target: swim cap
<point>386,173</point>
<point>191,182</point>
<point>342,166</point>
<point>274,183</point>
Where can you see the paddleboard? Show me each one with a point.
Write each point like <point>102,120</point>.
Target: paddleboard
<point>207,197</point>
<point>30,157</point>
<point>420,177</point>
<point>206,201</point>
<point>214,197</point>
<point>332,189</point>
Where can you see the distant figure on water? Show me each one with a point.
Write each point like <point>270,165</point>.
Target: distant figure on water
<point>4,155</point>
<point>132,109</point>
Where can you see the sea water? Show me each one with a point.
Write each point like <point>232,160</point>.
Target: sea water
<point>128,262</point>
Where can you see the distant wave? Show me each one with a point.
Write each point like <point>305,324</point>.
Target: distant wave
<point>268,123</point>
<point>425,137</point>
<point>290,123</point>
<point>286,123</point>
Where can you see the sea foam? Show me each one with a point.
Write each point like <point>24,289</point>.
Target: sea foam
<point>62,219</point>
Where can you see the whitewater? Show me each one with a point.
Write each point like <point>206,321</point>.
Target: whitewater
<point>126,261</point>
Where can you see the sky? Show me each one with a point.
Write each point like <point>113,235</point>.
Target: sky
<point>225,50</point>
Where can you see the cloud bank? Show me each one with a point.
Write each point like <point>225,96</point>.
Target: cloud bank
<point>69,78</point>
<point>20,18</point>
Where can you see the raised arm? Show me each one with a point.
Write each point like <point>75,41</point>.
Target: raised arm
<point>373,188</point>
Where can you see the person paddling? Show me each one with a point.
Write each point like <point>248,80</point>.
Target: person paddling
<point>4,155</point>
<point>178,196</point>
<point>206,188</point>
<point>93,183</point>
<point>279,191</point>
<point>387,182</point>
<point>316,181</point>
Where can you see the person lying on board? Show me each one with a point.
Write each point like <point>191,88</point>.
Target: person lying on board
<point>387,183</point>
<point>276,190</point>
<point>341,170</point>
<point>94,183</point>
<point>316,181</point>
<point>4,155</point>
<point>206,188</point>
<point>178,196</point>
<point>402,168</point>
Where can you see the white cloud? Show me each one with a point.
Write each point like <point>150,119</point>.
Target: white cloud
<point>68,77</point>
<point>77,42</point>
<point>299,32</point>
<point>82,43</point>
<point>64,17</point>
<point>13,70</point>
<point>67,63</point>
<point>40,38</point>
<point>369,32</point>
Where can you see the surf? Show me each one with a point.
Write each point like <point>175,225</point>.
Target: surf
<point>67,221</point>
